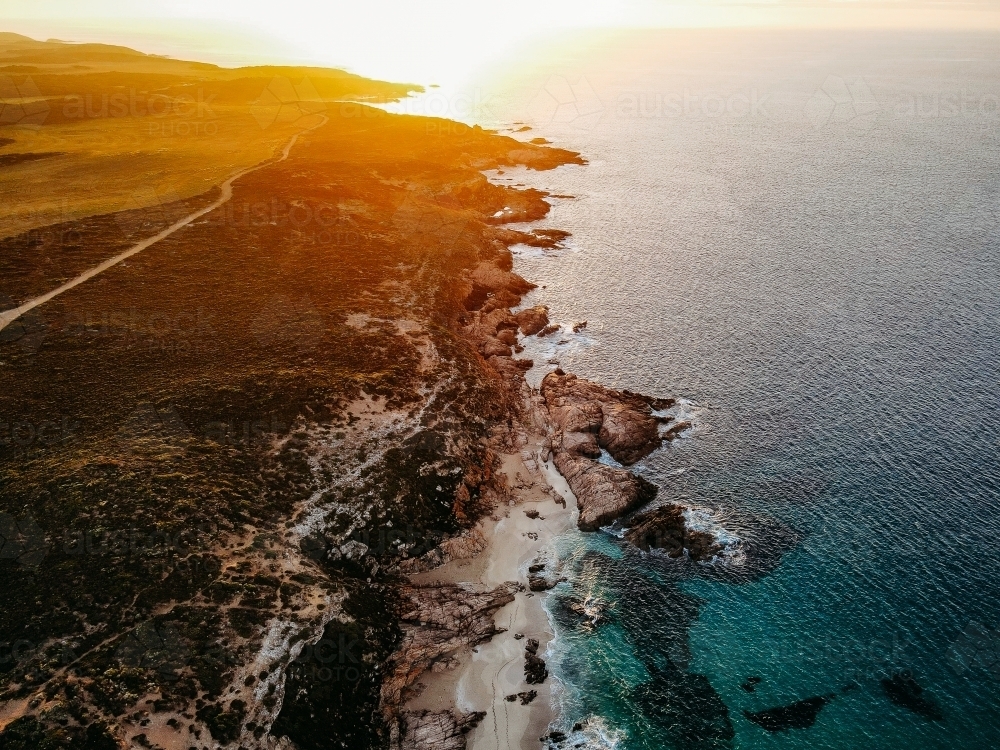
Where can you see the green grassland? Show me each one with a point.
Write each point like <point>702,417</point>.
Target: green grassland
<point>110,129</point>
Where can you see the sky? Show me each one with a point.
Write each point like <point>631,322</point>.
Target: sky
<point>432,41</point>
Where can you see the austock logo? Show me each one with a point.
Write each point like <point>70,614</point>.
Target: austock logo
<point>840,102</point>
<point>562,101</point>
<point>22,104</point>
<point>23,540</point>
<point>154,432</point>
<point>161,432</point>
<point>123,542</point>
<point>26,435</point>
<point>330,660</point>
<point>27,331</point>
<point>285,103</point>
<point>977,648</point>
<point>146,206</point>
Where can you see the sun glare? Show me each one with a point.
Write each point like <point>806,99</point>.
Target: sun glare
<point>441,41</point>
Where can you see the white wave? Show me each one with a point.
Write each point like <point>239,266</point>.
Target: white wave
<point>684,410</point>
<point>596,733</point>
<point>712,522</point>
<point>606,459</point>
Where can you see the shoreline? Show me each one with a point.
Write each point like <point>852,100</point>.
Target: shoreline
<point>472,690</point>
<point>485,674</point>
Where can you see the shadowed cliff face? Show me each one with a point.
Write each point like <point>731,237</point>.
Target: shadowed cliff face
<point>212,454</point>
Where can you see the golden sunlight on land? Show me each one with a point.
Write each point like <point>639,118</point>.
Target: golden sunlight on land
<point>95,129</point>
<point>439,41</point>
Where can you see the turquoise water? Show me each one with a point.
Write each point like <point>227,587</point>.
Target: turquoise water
<point>820,278</point>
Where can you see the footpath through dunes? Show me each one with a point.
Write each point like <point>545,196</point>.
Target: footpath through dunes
<point>217,452</point>
<point>226,193</point>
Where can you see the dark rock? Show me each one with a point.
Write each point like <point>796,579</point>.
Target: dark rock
<point>441,730</point>
<point>532,513</point>
<point>532,320</point>
<point>664,528</point>
<point>534,667</point>
<point>799,715</point>
<point>904,691</point>
<point>437,621</point>
<point>550,237</point>
<point>549,329</point>
<point>589,609</point>
<point>751,684</point>
<point>577,327</point>
<point>624,421</point>
<point>603,493</point>
<point>527,697</point>
<point>683,708</point>
<point>541,583</point>
<point>675,429</point>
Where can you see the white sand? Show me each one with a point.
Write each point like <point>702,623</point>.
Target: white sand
<point>493,670</point>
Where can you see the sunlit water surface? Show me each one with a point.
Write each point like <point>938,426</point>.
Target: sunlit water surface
<point>798,234</point>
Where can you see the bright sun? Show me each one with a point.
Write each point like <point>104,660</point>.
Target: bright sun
<point>434,41</point>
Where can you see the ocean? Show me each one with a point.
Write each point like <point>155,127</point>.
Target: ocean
<point>798,235</point>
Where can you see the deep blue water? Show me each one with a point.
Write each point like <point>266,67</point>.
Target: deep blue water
<point>820,278</point>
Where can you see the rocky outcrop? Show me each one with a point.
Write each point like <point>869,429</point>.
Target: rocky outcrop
<point>491,327</point>
<point>547,239</point>
<point>603,493</point>
<point>665,529</point>
<point>436,622</point>
<point>904,691</point>
<point>588,419</point>
<point>463,546</point>
<point>435,730</point>
<point>539,579</point>
<point>534,666</point>
<point>491,277</point>
<point>532,320</point>
<point>591,417</point>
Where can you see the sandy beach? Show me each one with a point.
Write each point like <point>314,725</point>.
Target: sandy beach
<point>487,673</point>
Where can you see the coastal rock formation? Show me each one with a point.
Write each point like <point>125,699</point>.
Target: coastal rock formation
<point>603,493</point>
<point>440,730</point>
<point>436,622</point>
<point>538,580</point>
<point>491,327</point>
<point>463,546</point>
<point>547,239</point>
<point>589,609</point>
<point>590,416</point>
<point>534,666</point>
<point>532,320</point>
<point>588,419</point>
<point>664,528</point>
